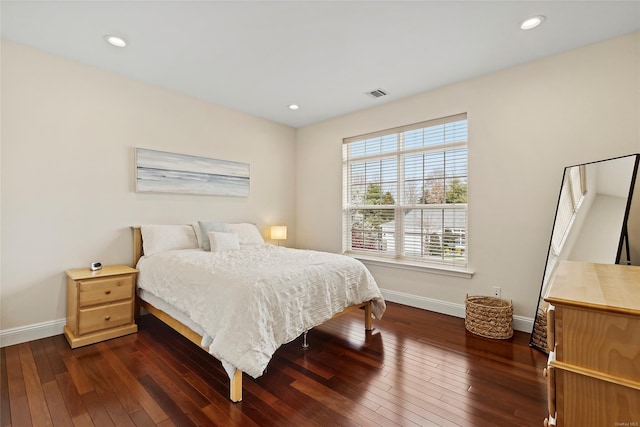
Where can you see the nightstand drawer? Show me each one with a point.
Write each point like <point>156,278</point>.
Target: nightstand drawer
<point>108,289</point>
<point>104,317</point>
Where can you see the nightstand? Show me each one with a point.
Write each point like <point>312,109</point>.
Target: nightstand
<point>100,304</point>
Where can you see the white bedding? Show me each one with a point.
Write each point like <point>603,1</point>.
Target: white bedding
<point>249,302</point>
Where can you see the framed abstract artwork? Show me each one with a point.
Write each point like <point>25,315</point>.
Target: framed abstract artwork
<point>163,172</point>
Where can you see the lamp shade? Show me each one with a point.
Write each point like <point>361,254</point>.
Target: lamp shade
<point>278,232</point>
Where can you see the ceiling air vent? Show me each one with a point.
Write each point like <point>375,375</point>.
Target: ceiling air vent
<point>377,93</point>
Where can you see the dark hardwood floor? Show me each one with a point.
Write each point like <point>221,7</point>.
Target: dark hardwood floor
<point>417,368</point>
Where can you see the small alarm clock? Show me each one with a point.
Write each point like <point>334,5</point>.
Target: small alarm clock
<point>95,266</point>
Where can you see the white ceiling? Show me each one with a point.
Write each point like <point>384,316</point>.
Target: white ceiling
<point>259,57</point>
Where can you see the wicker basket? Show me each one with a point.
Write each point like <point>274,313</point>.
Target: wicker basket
<point>489,317</point>
<point>539,334</point>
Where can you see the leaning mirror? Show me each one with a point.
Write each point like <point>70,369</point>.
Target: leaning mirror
<point>590,223</point>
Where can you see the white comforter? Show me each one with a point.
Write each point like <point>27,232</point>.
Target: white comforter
<point>251,301</point>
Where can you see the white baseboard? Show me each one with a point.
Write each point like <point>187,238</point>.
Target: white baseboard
<point>520,323</point>
<point>56,327</point>
<point>31,332</point>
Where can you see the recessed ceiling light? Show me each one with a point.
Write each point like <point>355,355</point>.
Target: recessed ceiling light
<point>293,107</point>
<point>532,22</point>
<point>115,41</point>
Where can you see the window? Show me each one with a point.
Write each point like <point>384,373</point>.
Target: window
<point>572,195</point>
<point>405,193</point>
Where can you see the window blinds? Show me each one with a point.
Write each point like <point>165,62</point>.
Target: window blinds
<point>571,197</point>
<point>405,192</point>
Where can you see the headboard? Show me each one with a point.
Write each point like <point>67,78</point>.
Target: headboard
<point>137,245</point>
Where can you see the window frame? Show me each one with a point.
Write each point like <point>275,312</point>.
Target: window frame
<point>398,256</point>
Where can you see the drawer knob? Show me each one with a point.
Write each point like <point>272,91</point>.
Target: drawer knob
<point>545,373</point>
<point>107,317</point>
<point>107,292</point>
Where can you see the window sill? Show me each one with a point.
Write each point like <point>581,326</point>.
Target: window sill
<point>415,266</point>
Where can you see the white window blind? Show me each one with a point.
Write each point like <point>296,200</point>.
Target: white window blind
<point>405,192</point>
<point>571,196</point>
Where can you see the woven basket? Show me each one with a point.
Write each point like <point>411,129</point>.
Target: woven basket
<point>489,317</point>
<point>539,334</point>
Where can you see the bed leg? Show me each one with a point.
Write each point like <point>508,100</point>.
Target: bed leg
<point>305,344</point>
<point>235,386</point>
<point>368,319</point>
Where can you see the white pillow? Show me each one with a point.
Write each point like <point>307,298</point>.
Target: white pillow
<point>206,227</point>
<point>221,241</point>
<point>247,233</point>
<point>160,238</point>
<point>198,231</point>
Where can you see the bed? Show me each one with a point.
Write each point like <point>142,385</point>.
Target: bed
<point>240,302</point>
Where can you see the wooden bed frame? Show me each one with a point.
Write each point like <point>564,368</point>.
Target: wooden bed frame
<point>235,386</point>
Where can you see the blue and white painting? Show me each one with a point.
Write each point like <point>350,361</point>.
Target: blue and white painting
<point>159,171</point>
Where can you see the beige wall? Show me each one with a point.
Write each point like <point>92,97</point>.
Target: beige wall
<point>68,133</point>
<point>525,125</point>
<point>68,138</point>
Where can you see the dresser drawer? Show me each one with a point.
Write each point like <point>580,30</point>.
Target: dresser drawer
<point>603,342</point>
<point>592,402</point>
<point>104,317</point>
<point>105,290</point>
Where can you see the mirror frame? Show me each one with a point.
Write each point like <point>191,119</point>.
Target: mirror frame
<point>623,240</point>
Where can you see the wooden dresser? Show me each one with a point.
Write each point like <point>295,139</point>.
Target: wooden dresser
<point>99,304</point>
<point>594,334</point>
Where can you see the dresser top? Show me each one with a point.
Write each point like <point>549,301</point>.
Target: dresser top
<point>606,287</point>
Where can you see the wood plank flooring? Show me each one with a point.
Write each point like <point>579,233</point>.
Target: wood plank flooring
<point>417,368</point>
